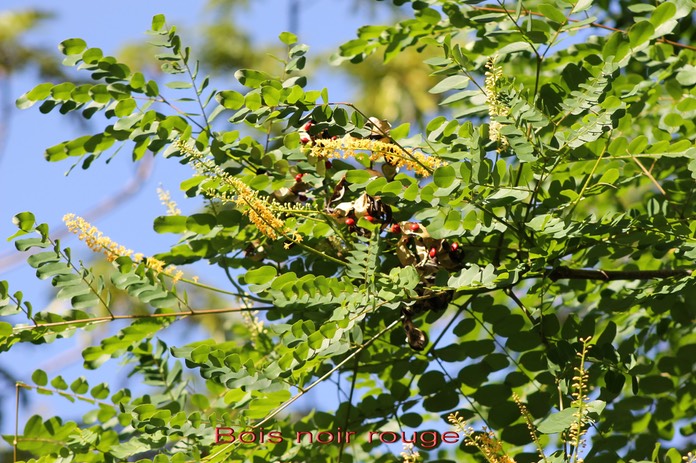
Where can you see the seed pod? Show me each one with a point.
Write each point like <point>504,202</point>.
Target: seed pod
<point>416,337</point>
<point>305,138</point>
<point>379,128</point>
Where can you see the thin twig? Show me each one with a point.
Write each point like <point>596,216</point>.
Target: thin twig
<point>290,401</point>
<point>560,273</point>
<point>82,276</point>
<point>533,321</point>
<point>83,398</point>
<point>138,316</point>
<point>576,201</point>
<point>592,24</point>
<point>353,382</point>
<point>16,436</point>
<point>650,176</point>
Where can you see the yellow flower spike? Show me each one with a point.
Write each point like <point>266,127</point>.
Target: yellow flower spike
<point>495,106</point>
<point>97,242</point>
<point>166,199</point>
<point>347,146</point>
<point>409,455</point>
<point>258,209</point>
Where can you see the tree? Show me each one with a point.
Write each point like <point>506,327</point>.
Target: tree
<point>519,275</point>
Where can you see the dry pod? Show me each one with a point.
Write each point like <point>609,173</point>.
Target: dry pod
<point>416,337</point>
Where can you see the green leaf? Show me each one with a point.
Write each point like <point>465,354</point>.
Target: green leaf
<point>656,384</point>
<point>28,243</point>
<point>179,85</point>
<point>340,116</point>
<point>354,47</point>
<point>412,420</point>
<point>616,47</point>
<point>638,144</point>
<point>641,8</point>
<point>252,100</point>
<point>450,83</point>
<point>288,38</point>
<point>687,76</point>
<point>610,176</point>
<point>125,107</point>
<point>558,422</point>
<point>158,22</point>
<point>261,275</point>
<point>201,223</point>
<point>444,176</point>
<point>582,5</point>
<point>663,13</point>
<point>63,92</point>
<point>39,377</point>
<point>251,78</point>
<point>93,55</point>
<point>72,46</point>
<point>552,13</point>
<point>40,258</point>
<point>358,177</point>
<point>401,131</point>
<point>505,196</point>
<point>79,386</point>
<point>431,382</point>
<point>24,221</point>
<point>446,399</point>
<point>673,456</point>
<point>170,224</point>
<point>39,92</point>
<point>52,269</point>
<point>59,383</point>
<point>640,33</point>
<point>596,407</point>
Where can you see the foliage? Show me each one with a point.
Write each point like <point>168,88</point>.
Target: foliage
<point>521,270</point>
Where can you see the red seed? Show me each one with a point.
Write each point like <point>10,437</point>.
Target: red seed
<point>305,138</point>
<point>454,246</point>
<point>298,177</point>
<point>433,252</point>
<point>396,228</point>
<point>414,227</point>
<point>350,222</point>
<point>369,218</point>
<point>308,125</point>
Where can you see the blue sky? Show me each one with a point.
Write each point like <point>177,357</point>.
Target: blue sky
<point>29,183</point>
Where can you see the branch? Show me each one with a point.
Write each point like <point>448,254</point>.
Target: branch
<point>135,316</point>
<point>302,392</point>
<point>536,323</point>
<point>83,398</point>
<point>593,24</point>
<point>560,273</point>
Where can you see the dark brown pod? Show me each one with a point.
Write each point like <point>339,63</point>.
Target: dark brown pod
<point>415,337</point>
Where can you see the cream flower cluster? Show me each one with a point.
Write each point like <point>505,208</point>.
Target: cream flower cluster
<point>495,106</point>
<point>485,441</point>
<point>97,242</point>
<point>259,210</point>
<point>348,147</point>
